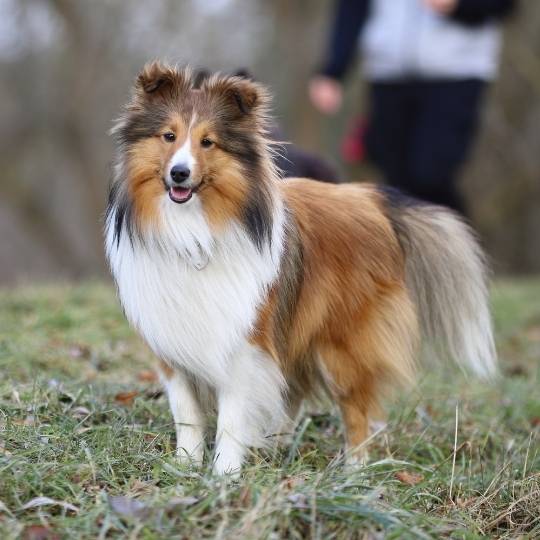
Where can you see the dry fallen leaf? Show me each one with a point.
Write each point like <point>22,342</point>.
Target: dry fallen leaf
<point>126,398</point>
<point>411,479</point>
<point>147,375</point>
<point>79,412</point>
<point>39,532</point>
<point>128,507</point>
<point>46,501</point>
<point>182,501</point>
<point>30,420</point>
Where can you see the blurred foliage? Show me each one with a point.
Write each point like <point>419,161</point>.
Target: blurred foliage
<point>66,67</point>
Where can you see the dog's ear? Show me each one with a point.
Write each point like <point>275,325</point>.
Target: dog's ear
<point>244,74</point>
<point>241,97</point>
<point>199,77</point>
<point>158,79</point>
<point>154,76</point>
<point>244,94</point>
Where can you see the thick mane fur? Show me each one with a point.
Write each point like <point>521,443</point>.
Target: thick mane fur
<point>239,109</point>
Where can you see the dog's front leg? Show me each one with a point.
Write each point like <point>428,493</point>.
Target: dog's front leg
<point>233,432</point>
<point>250,406</point>
<point>189,419</point>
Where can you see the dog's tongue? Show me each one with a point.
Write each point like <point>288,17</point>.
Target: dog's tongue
<point>180,194</point>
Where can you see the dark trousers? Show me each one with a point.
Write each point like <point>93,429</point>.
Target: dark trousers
<point>420,132</point>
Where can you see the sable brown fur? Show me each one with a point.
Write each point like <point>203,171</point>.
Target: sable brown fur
<point>349,317</point>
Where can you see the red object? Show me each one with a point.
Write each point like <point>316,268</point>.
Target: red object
<point>353,147</point>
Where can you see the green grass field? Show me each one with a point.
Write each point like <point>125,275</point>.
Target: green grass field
<point>87,444</point>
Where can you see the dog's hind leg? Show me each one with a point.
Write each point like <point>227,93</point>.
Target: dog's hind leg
<point>355,391</point>
<point>375,349</point>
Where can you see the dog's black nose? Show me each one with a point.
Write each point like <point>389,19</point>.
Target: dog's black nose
<point>179,173</point>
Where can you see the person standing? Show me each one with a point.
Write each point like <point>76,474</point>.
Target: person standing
<point>427,63</point>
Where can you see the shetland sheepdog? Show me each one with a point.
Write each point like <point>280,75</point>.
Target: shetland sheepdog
<point>255,292</point>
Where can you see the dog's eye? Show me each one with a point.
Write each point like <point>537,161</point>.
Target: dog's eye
<point>169,136</point>
<point>206,142</point>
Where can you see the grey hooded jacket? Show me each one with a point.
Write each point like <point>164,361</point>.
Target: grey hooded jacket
<point>402,39</point>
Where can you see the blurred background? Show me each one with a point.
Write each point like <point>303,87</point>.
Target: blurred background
<point>66,67</point>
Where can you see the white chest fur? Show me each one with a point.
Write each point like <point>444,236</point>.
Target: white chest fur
<point>192,296</point>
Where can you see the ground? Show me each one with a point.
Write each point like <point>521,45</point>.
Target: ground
<point>87,444</point>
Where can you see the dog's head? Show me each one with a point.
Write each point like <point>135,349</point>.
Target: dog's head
<point>182,139</point>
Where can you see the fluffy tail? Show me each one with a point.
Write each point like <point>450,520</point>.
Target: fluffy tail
<point>446,275</point>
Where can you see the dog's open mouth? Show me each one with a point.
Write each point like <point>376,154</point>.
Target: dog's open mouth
<point>180,194</point>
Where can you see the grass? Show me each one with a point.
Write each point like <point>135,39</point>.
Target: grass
<point>87,445</point>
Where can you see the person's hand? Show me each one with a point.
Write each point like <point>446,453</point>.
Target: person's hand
<point>326,94</point>
<point>443,7</point>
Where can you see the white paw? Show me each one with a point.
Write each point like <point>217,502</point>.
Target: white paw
<point>228,461</point>
<point>356,457</point>
<point>190,457</point>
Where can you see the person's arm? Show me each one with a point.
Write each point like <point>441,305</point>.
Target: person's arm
<point>348,20</point>
<point>479,11</point>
